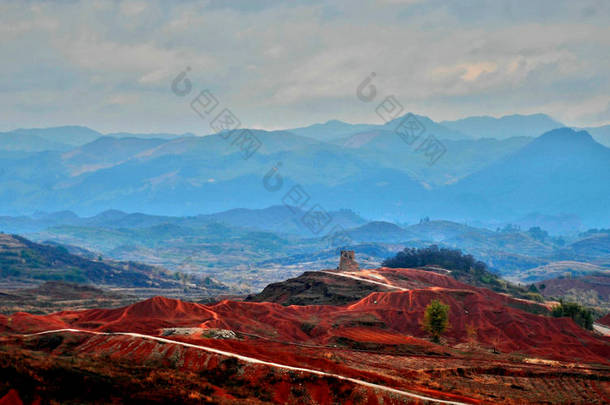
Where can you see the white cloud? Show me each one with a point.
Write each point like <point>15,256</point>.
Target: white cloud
<point>131,8</point>
<point>284,64</point>
<point>123,99</point>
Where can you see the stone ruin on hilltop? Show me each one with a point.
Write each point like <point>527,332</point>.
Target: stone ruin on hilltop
<point>347,262</point>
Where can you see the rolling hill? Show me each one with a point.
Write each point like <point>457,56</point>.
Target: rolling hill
<point>254,247</point>
<point>591,290</point>
<point>55,296</point>
<point>371,349</point>
<point>379,231</point>
<point>26,262</point>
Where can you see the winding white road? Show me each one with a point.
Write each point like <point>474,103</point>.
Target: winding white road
<point>256,361</point>
<point>366,280</point>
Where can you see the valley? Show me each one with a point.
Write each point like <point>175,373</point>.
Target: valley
<point>304,203</point>
<point>245,250</point>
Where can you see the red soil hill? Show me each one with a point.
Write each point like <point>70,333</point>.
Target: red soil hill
<point>387,317</point>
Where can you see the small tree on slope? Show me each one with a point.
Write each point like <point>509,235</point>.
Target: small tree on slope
<point>436,319</point>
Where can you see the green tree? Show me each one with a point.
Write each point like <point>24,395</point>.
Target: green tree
<point>436,319</point>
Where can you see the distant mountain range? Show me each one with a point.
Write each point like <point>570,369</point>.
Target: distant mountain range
<point>366,168</point>
<point>279,218</point>
<point>63,138</point>
<point>504,127</point>
<point>509,126</point>
<point>334,130</point>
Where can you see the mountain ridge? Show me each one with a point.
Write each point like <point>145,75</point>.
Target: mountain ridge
<point>504,127</point>
<point>95,177</point>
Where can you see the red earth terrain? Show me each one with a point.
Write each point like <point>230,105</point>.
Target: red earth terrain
<point>371,350</point>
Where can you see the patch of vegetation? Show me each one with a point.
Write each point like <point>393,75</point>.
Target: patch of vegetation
<point>579,314</point>
<point>452,259</point>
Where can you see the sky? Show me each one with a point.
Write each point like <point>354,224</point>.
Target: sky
<point>110,65</point>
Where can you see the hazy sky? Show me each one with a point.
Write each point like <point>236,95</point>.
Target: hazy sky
<point>109,65</point>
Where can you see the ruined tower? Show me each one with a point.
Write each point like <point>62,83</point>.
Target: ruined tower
<point>347,262</point>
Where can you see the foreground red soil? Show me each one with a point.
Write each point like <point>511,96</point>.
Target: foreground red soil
<point>495,351</point>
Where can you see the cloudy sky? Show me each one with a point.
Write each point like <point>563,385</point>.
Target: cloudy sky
<point>109,65</point>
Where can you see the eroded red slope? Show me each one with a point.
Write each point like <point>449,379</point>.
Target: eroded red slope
<point>381,317</point>
<point>11,398</point>
<point>495,324</point>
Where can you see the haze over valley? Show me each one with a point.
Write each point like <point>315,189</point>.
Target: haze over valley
<point>305,202</point>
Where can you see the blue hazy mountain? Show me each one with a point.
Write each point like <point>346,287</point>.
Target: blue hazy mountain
<point>64,138</point>
<point>462,156</point>
<point>504,127</point>
<point>152,135</point>
<point>331,130</point>
<point>379,231</point>
<point>380,176</point>
<point>280,219</point>
<point>41,139</point>
<point>335,130</point>
<point>439,130</point>
<point>184,175</point>
<point>10,141</point>
<point>600,134</point>
<point>562,171</point>
<point>107,151</point>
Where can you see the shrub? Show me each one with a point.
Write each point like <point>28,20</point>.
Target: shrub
<point>436,319</point>
<point>581,315</point>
